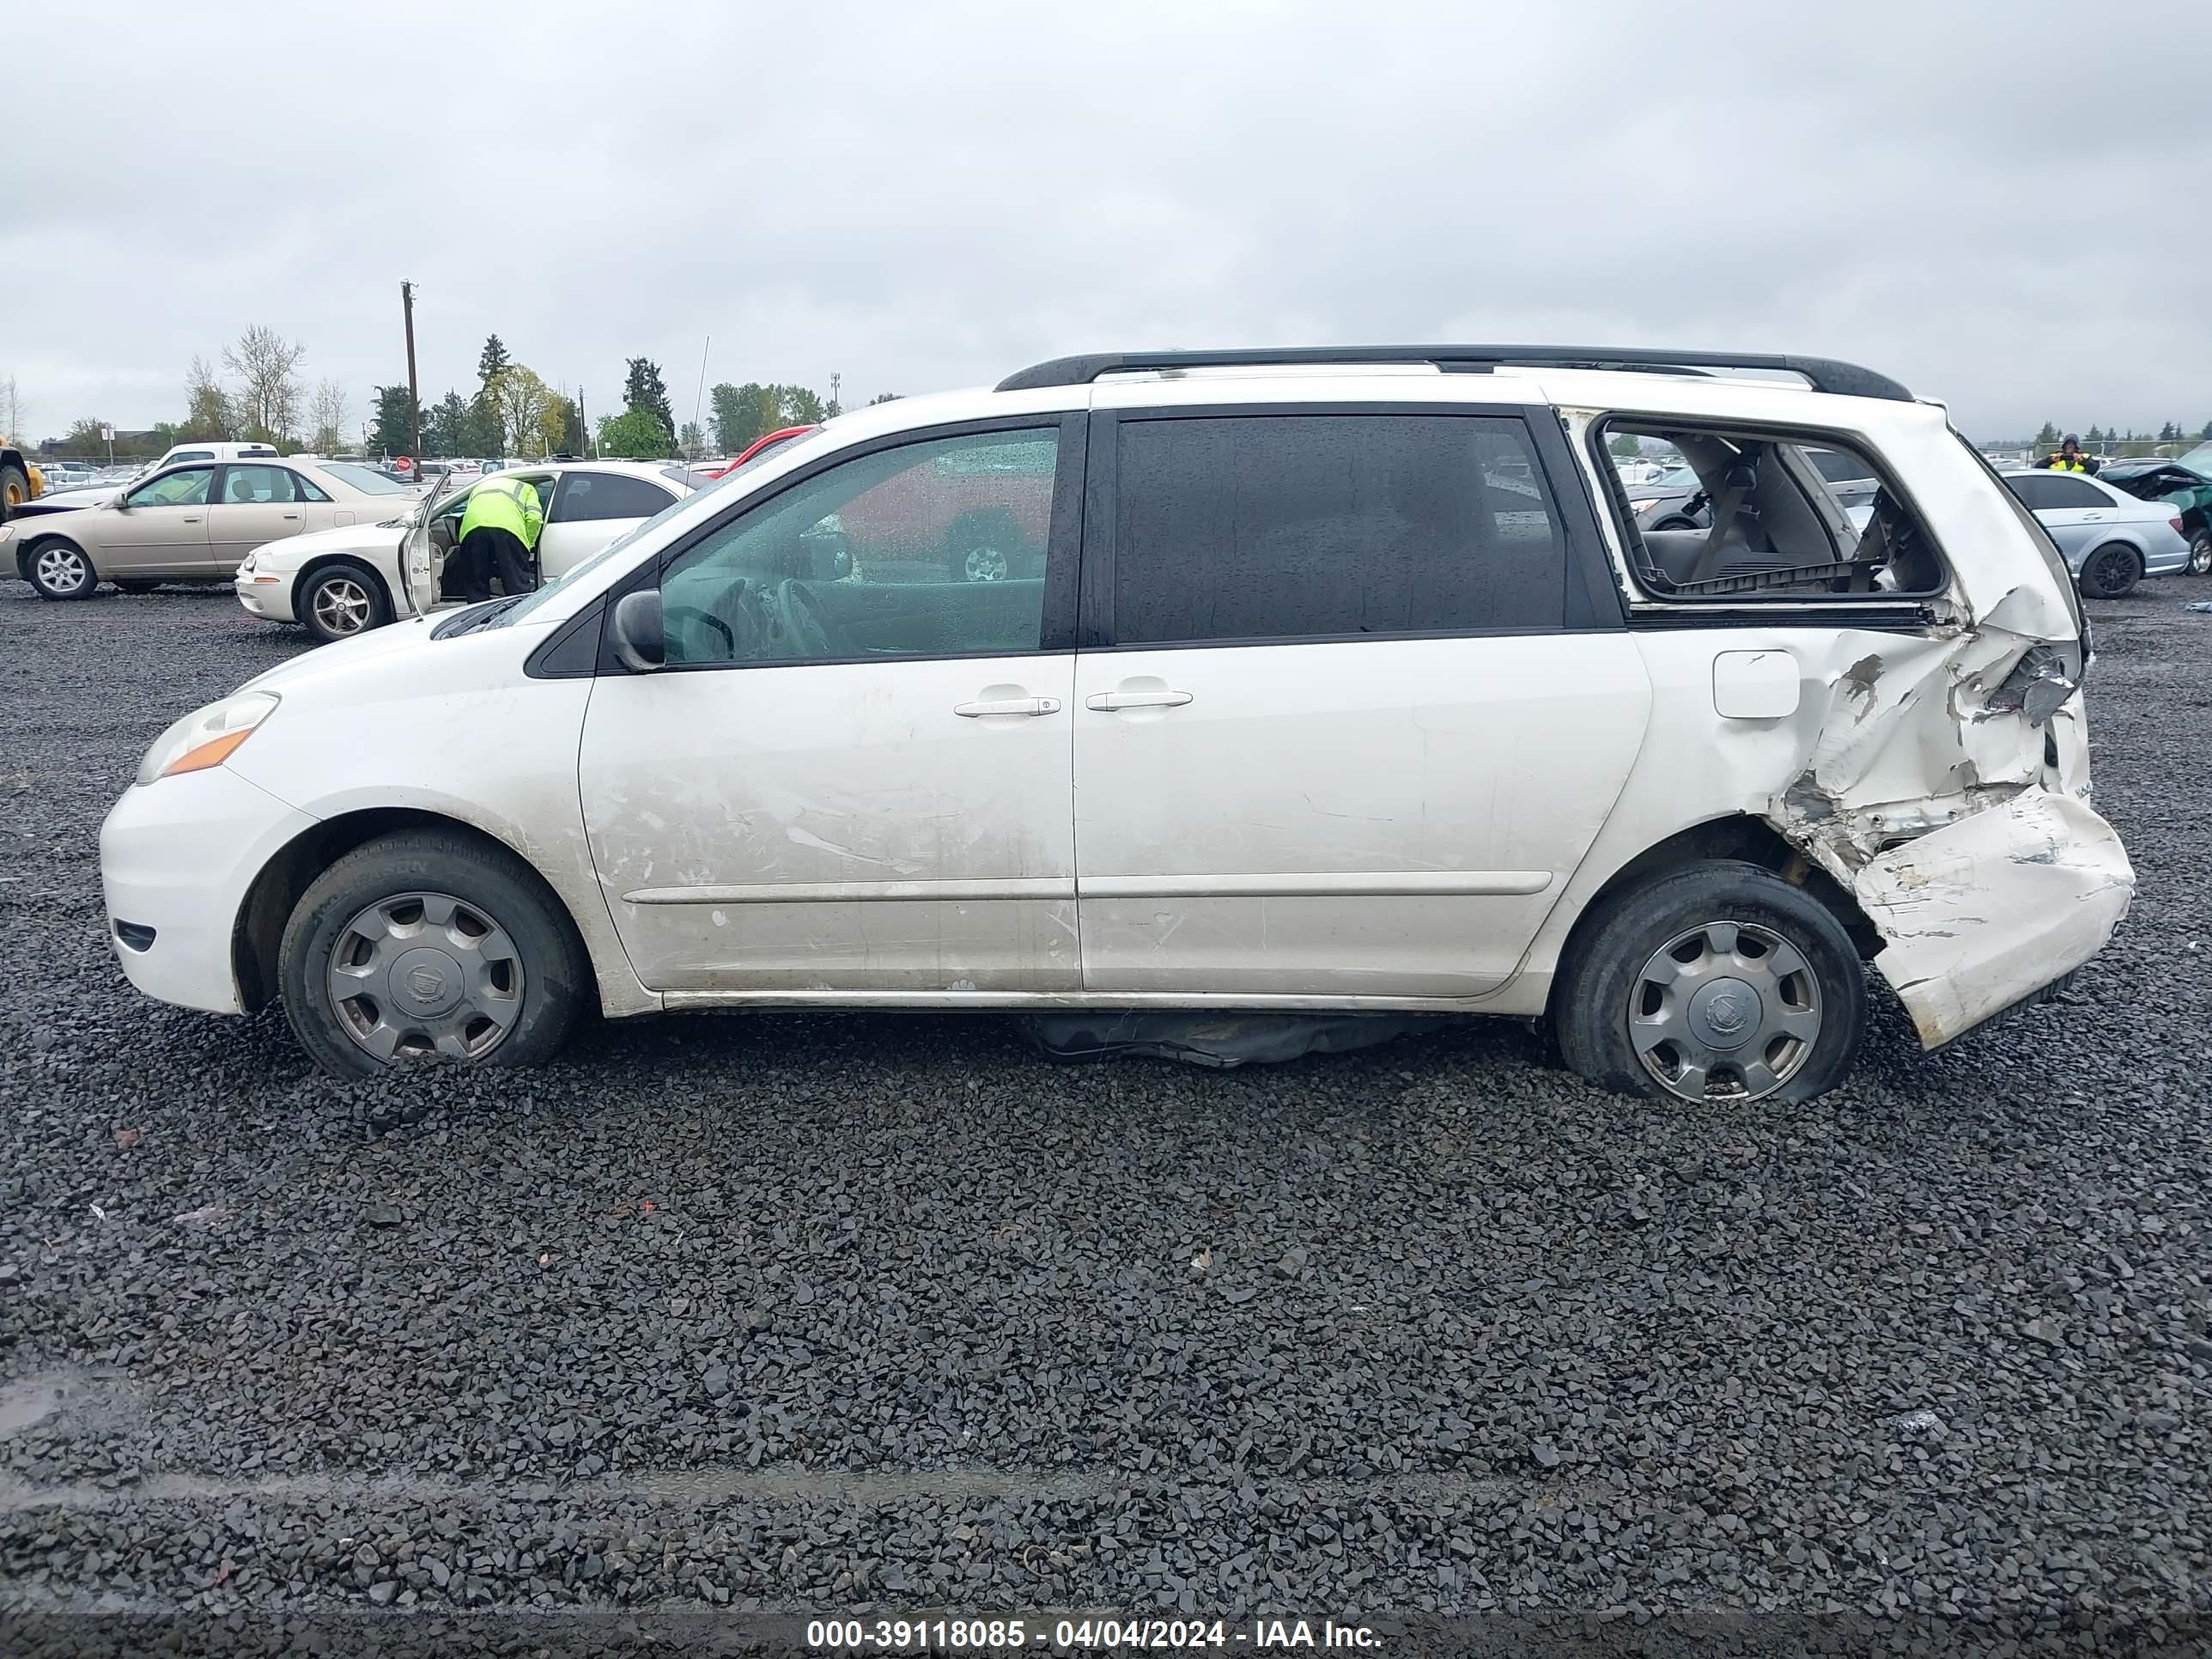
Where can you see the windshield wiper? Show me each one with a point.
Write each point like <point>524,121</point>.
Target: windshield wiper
<point>477,617</point>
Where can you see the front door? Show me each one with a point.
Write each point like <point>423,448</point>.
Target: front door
<point>1354,718</point>
<point>588,511</point>
<point>159,530</point>
<point>254,505</point>
<point>852,774</point>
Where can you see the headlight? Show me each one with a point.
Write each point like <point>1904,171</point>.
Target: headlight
<point>206,737</point>
<point>1644,505</point>
<point>245,564</point>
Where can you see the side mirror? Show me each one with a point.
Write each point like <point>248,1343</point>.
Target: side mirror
<point>640,640</point>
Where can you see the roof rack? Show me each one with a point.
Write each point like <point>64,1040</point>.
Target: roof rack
<point>1821,373</point>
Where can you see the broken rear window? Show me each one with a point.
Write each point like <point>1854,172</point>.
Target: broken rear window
<point>1776,515</point>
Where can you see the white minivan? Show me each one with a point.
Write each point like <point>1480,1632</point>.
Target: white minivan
<point>1311,680</point>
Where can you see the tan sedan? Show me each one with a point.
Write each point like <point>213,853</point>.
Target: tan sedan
<point>193,523</point>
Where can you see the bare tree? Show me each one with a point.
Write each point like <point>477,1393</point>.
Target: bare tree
<point>268,366</point>
<point>11,409</point>
<point>208,411</point>
<point>327,414</point>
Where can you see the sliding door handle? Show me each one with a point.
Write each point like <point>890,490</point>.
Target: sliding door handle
<point>1107,701</point>
<point>976,711</point>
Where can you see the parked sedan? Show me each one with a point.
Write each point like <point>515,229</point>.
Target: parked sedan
<point>2110,539</point>
<point>191,523</point>
<point>2180,486</point>
<point>344,582</point>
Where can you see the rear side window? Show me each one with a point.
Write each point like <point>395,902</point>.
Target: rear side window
<point>1287,526</point>
<point>586,496</point>
<point>2042,492</point>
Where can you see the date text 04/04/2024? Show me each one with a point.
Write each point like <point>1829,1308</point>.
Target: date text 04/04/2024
<point>947,1634</point>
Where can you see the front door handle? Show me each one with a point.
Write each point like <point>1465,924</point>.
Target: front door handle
<point>1107,701</point>
<point>192,520</point>
<point>976,711</point>
<point>291,515</point>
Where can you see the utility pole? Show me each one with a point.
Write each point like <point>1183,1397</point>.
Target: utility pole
<point>413,390</point>
<point>585,422</point>
<point>699,398</point>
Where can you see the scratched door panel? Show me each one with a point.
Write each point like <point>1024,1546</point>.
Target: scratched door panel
<point>837,827</point>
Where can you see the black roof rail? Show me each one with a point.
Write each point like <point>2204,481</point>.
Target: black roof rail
<point>1821,373</point>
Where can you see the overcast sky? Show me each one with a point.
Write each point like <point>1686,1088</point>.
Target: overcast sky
<point>2003,207</point>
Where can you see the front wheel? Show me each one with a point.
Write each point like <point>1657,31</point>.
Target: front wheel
<point>2200,554</point>
<point>59,570</point>
<point>1719,983</point>
<point>2111,572</point>
<point>430,946</point>
<point>340,601</point>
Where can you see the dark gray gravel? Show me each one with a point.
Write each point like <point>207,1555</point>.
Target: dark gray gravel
<point>744,1312</point>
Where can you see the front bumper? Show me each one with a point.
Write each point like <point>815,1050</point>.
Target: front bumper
<point>267,597</point>
<point>177,857</point>
<point>1982,914</point>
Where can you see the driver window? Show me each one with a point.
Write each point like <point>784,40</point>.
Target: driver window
<point>188,488</point>
<point>256,486</point>
<point>927,550</point>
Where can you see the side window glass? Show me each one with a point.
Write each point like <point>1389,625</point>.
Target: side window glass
<point>187,488</point>
<point>590,496</point>
<point>2037,491</point>
<point>305,489</point>
<point>256,486</point>
<point>2072,492</point>
<point>928,550</point>
<point>1284,527</point>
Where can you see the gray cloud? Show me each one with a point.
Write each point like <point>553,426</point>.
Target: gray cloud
<point>2000,207</point>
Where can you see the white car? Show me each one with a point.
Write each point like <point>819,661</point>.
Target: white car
<point>1347,683</point>
<point>346,581</point>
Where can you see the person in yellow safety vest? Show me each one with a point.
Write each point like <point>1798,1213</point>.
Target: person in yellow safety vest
<point>499,530</point>
<point>2069,458</point>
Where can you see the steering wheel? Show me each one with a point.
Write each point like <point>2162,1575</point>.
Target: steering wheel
<point>809,630</point>
<point>692,613</point>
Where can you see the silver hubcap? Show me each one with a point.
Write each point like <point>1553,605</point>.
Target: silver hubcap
<point>341,606</point>
<point>62,568</point>
<point>984,564</point>
<point>423,974</point>
<point>1729,1011</point>
<point>2200,555</point>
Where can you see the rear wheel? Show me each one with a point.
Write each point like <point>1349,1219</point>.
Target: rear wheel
<point>15,489</point>
<point>2111,571</point>
<point>340,600</point>
<point>59,570</point>
<point>2200,554</point>
<point>1717,983</point>
<point>430,946</point>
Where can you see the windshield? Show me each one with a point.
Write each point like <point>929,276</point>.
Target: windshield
<point>365,479</point>
<point>531,602</point>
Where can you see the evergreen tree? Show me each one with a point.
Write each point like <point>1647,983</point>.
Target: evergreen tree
<point>644,390</point>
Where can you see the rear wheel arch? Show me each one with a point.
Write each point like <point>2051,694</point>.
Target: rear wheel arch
<point>1740,838</point>
<point>259,930</point>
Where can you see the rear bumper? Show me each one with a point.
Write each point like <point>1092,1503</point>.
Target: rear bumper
<point>1981,917</point>
<point>176,858</point>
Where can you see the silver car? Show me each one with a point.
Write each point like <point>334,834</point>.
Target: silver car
<point>2110,539</point>
<point>191,522</point>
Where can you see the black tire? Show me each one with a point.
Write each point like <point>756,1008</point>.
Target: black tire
<point>984,547</point>
<point>555,982</point>
<point>2200,553</point>
<point>1592,1001</point>
<point>15,489</point>
<point>137,585</point>
<point>1674,521</point>
<point>339,592</point>
<point>2111,572</point>
<point>47,563</point>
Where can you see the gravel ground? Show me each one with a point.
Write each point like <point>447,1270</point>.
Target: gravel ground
<point>725,1314</point>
